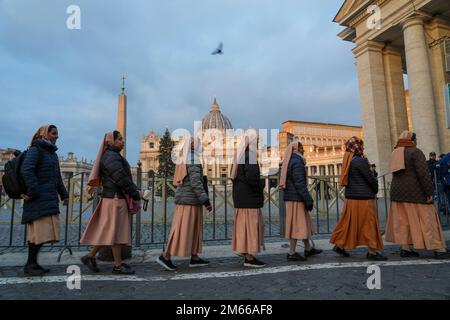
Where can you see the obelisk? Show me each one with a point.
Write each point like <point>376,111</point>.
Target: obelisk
<point>122,116</point>
<point>105,253</point>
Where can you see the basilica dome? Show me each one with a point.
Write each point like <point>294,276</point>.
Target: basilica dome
<point>215,119</point>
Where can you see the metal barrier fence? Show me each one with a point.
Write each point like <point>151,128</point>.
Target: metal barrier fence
<point>151,226</point>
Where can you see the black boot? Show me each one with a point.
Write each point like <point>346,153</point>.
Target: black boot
<point>32,268</point>
<point>38,247</point>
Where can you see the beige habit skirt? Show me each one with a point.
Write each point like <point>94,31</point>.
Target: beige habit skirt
<point>43,230</point>
<point>109,225</point>
<point>414,224</point>
<point>248,231</point>
<point>186,234</point>
<point>298,221</point>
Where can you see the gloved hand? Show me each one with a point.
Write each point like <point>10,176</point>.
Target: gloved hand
<point>309,205</point>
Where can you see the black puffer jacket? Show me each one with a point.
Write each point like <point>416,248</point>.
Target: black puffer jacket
<point>42,177</point>
<point>296,182</point>
<point>116,176</point>
<point>248,188</point>
<point>362,184</point>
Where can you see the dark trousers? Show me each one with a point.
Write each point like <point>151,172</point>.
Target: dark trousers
<point>443,196</point>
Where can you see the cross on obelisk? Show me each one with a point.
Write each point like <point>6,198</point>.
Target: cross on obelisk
<point>123,83</point>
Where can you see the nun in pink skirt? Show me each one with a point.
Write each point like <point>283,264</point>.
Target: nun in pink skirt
<point>293,181</point>
<point>186,233</point>
<point>110,224</point>
<point>248,199</point>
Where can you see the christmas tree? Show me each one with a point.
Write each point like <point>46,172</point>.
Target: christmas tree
<point>166,167</point>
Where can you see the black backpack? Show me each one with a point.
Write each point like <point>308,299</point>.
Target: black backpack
<point>12,180</point>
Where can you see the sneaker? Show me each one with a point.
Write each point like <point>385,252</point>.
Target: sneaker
<point>255,263</point>
<point>166,263</point>
<point>295,257</point>
<point>33,270</point>
<point>312,252</point>
<point>442,255</point>
<point>198,263</point>
<point>341,251</point>
<point>408,254</point>
<point>91,263</point>
<point>123,271</point>
<point>376,257</point>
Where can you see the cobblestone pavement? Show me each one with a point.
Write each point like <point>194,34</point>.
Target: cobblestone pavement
<point>322,277</point>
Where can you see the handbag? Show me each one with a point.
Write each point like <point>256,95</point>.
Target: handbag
<point>133,205</point>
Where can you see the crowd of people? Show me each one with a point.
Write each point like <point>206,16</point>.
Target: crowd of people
<point>413,221</point>
<point>440,175</point>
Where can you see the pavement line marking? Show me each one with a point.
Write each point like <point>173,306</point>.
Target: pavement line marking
<point>225,274</point>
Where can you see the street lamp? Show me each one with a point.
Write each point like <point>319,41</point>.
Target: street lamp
<point>139,175</point>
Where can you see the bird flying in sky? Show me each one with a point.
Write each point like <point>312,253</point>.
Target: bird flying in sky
<point>219,49</point>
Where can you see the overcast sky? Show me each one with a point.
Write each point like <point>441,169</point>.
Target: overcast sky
<point>282,60</point>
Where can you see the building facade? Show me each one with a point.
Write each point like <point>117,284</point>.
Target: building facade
<point>149,152</point>
<point>323,144</point>
<point>393,38</point>
<point>6,154</point>
<point>218,145</point>
<point>71,166</point>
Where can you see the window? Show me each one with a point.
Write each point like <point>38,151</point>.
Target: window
<point>151,145</point>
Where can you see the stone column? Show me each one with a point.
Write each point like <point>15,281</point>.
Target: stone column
<point>374,103</point>
<point>395,87</point>
<point>423,108</point>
